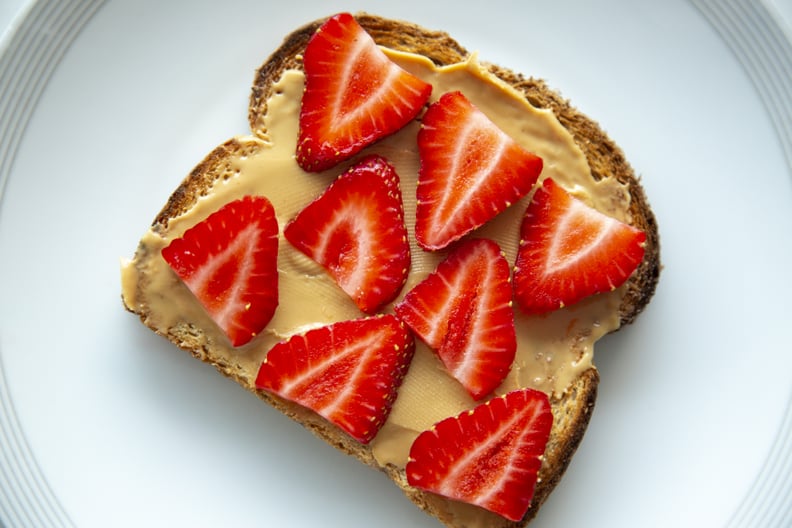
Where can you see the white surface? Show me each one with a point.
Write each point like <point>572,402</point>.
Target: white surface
<point>124,427</point>
<point>9,10</point>
<point>783,10</point>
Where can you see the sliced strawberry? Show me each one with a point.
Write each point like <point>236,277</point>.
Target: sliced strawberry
<point>470,171</point>
<point>348,372</point>
<point>230,262</point>
<point>355,229</point>
<point>569,251</point>
<point>354,95</point>
<point>489,456</point>
<point>463,311</point>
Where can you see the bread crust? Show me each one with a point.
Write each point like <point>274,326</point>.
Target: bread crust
<point>573,410</point>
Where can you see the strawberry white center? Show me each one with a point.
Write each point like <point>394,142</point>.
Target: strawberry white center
<point>352,220</point>
<point>476,347</point>
<point>503,442</point>
<point>490,145</point>
<point>359,352</point>
<point>579,231</point>
<point>363,59</point>
<point>242,251</point>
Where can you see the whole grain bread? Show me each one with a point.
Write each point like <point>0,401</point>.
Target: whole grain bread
<point>571,411</point>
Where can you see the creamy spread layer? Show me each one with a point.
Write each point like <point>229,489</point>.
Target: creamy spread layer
<point>553,350</point>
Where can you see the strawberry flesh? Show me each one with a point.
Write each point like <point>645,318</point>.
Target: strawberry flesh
<point>470,171</point>
<point>356,231</point>
<point>569,251</point>
<point>489,456</point>
<point>348,372</point>
<point>354,95</point>
<point>230,263</point>
<point>463,311</point>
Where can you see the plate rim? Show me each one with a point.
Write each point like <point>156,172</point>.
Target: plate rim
<point>763,53</point>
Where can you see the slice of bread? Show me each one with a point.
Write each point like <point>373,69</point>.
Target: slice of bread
<point>572,410</point>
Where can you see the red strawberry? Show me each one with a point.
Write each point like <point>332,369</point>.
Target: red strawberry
<point>569,251</point>
<point>354,95</point>
<point>463,311</point>
<point>470,171</point>
<point>230,262</point>
<point>348,372</point>
<point>489,456</point>
<point>355,229</point>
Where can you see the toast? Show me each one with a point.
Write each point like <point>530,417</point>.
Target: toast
<point>571,408</point>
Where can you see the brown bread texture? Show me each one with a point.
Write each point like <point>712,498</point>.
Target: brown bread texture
<point>571,411</point>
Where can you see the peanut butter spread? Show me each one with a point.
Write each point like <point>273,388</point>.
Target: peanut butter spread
<point>552,349</point>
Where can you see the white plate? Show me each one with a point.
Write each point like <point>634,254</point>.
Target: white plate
<point>104,108</point>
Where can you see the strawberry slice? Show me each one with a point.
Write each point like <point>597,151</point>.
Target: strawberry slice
<point>354,94</point>
<point>348,372</point>
<point>470,171</point>
<point>355,229</point>
<point>569,251</point>
<point>230,263</point>
<point>489,456</point>
<point>463,311</point>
